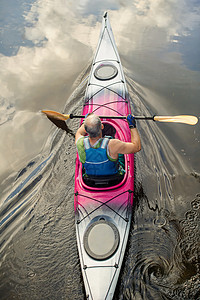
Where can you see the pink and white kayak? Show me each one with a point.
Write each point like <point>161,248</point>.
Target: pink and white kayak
<point>103,205</point>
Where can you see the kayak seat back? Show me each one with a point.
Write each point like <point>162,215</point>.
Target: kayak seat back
<point>108,130</point>
<point>103,181</point>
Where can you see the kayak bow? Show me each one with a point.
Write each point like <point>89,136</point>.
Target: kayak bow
<point>103,205</point>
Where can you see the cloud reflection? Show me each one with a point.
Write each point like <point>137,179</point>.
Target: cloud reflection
<point>21,137</point>
<point>63,35</point>
<point>38,77</point>
<point>167,20</point>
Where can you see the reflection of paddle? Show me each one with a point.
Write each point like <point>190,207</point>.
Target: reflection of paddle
<point>185,119</point>
<point>61,124</point>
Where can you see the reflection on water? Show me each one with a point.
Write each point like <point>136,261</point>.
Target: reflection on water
<point>150,37</point>
<point>39,258</point>
<point>162,260</point>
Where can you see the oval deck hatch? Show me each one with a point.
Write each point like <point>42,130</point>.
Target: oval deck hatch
<point>101,239</point>
<point>106,71</point>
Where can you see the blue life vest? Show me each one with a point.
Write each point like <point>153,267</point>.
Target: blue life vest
<point>97,162</point>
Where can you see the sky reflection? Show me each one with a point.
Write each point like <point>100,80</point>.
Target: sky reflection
<point>46,44</point>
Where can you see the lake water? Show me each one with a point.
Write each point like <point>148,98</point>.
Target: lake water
<point>46,50</point>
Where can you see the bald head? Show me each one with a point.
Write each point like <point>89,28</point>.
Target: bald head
<point>93,125</point>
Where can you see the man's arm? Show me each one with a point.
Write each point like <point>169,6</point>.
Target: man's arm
<point>135,140</point>
<point>80,132</point>
<point>117,146</point>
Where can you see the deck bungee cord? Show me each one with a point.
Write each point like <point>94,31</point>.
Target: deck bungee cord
<point>104,203</point>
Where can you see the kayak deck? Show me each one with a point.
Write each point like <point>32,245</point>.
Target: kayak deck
<point>103,213</point>
<point>108,95</point>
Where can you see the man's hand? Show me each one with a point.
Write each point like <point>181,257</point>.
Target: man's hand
<point>131,121</point>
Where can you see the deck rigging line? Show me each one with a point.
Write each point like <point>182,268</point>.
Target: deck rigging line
<point>106,88</point>
<point>102,204</point>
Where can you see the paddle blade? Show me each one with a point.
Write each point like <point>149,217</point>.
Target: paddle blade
<point>55,115</point>
<point>60,124</point>
<point>190,120</point>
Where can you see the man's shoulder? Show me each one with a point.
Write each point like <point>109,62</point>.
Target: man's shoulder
<point>113,143</point>
<point>80,141</point>
<point>118,146</point>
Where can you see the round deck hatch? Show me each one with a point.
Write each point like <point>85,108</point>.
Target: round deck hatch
<point>101,239</point>
<point>105,71</point>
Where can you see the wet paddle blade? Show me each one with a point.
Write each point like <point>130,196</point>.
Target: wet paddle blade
<point>186,119</point>
<point>55,115</point>
<point>61,124</point>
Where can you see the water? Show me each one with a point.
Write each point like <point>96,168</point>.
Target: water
<point>46,49</point>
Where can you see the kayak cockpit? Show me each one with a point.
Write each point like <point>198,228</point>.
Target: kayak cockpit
<point>109,180</point>
<point>103,181</point>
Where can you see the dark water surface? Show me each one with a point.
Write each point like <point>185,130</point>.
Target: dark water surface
<point>46,50</point>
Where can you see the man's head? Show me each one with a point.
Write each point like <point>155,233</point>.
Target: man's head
<point>93,125</point>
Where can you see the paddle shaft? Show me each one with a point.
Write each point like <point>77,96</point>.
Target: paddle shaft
<point>71,116</point>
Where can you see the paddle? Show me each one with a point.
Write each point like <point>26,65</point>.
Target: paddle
<point>185,119</point>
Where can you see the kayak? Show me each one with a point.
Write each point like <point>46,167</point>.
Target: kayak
<point>103,204</point>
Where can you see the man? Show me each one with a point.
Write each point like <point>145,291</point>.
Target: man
<point>98,155</point>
